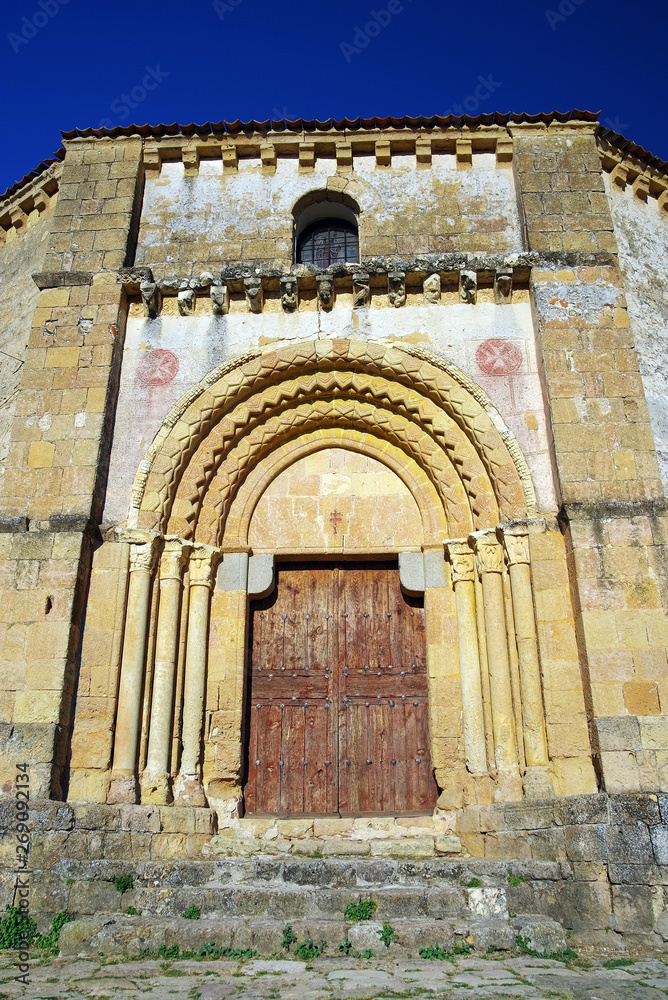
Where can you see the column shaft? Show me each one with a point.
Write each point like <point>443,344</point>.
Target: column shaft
<point>123,786</point>
<point>490,563</point>
<point>462,567</point>
<point>202,564</point>
<point>533,717</point>
<point>156,779</point>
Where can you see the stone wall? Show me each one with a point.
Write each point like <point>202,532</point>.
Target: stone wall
<point>211,216</point>
<point>55,470</point>
<point>641,227</point>
<point>20,258</point>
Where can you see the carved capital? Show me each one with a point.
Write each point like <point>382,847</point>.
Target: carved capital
<point>202,565</point>
<point>462,565</point>
<point>173,559</point>
<point>488,551</point>
<point>517,547</point>
<point>143,556</point>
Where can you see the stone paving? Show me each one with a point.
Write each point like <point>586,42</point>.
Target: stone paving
<point>479,979</point>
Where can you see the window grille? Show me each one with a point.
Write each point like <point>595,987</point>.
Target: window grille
<point>330,241</point>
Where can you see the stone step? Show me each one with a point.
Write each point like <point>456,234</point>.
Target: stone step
<point>115,934</point>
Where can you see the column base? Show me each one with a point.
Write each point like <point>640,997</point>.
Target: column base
<point>508,785</point>
<point>123,789</point>
<point>189,791</point>
<point>537,782</point>
<point>156,789</point>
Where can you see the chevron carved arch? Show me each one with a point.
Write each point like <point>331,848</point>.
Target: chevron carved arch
<point>240,413</point>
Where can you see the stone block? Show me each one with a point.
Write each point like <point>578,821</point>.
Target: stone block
<point>343,848</point>
<point>545,937</point>
<point>618,733</point>
<point>659,836</point>
<point>366,935</point>
<point>492,935</point>
<point>529,816</point>
<point>411,847</point>
<point>629,844</point>
<point>96,816</point>
<point>448,845</point>
<point>140,818</point>
<point>654,732</point>
<point>633,910</point>
<point>586,843</point>
<point>547,845</point>
<point>635,809</point>
<point>620,771</point>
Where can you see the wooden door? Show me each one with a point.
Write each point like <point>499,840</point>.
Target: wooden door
<point>337,718</point>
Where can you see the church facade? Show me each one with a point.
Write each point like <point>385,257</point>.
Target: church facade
<point>333,491</point>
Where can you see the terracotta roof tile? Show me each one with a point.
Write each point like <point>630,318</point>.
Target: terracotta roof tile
<point>351,125</point>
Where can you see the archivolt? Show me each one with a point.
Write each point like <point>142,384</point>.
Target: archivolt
<point>240,411</point>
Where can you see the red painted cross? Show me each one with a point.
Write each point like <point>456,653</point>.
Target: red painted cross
<point>335,520</point>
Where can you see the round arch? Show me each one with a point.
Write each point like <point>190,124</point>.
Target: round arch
<point>244,410</point>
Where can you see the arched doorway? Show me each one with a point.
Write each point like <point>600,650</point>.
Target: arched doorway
<point>220,455</point>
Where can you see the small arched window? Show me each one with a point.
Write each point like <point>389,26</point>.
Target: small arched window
<point>327,242</point>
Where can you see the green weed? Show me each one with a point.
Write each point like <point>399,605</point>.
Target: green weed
<point>388,934</point>
<point>515,880</point>
<point>123,883</point>
<point>192,913</point>
<point>472,883</point>
<point>289,937</point>
<point>363,910</point>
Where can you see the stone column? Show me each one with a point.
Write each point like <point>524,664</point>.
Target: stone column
<point>490,567</point>
<point>462,569</point>
<point>155,781</point>
<point>203,562</point>
<point>516,542</point>
<point>143,550</point>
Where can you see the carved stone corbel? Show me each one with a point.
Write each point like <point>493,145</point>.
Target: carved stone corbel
<point>396,288</point>
<point>220,300</point>
<point>151,298</point>
<point>289,293</point>
<point>468,286</point>
<point>361,289</point>
<point>431,288</point>
<point>503,285</point>
<point>254,294</point>
<point>186,301</point>
<point>325,286</point>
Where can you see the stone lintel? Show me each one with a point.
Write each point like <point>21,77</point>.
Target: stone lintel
<point>62,279</point>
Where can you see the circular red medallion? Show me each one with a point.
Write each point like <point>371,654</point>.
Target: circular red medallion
<point>158,367</point>
<point>498,357</point>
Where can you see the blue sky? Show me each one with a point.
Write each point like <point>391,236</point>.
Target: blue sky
<point>75,63</point>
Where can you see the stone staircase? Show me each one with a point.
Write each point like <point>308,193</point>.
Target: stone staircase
<point>247,903</point>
